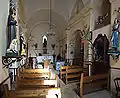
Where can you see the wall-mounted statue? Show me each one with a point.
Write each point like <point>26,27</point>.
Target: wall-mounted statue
<point>115,37</point>
<point>11,26</point>
<point>99,47</point>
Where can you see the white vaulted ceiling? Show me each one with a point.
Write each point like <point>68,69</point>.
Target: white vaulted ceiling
<point>37,11</point>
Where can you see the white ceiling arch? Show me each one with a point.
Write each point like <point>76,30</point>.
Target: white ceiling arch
<point>43,23</point>
<point>43,15</point>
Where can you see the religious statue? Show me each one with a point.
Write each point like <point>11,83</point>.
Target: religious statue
<point>115,35</point>
<point>13,49</point>
<point>99,47</point>
<point>11,25</point>
<point>46,63</point>
<point>45,43</point>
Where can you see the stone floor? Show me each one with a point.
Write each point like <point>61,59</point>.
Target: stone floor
<point>100,94</point>
<point>67,91</point>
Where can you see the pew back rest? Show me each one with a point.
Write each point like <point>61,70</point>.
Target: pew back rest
<point>35,73</point>
<point>63,69</point>
<point>36,93</point>
<point>73,72</point>
<point>35,83</point>
<point>96,78</point>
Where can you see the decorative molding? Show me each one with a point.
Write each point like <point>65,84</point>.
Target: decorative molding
<point>111,1</point>
<point>80,16</point>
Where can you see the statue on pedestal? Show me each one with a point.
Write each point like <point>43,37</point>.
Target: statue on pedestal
<point>46,63</point>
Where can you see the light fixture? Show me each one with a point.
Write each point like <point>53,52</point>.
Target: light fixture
<point>50,32</point>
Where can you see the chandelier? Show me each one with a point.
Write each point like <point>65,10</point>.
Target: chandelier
<point>50,31</point>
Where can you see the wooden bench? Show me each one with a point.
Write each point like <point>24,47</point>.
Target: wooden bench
<point>35,83</point>
<point>63,70</point>
<point>39,93</point>
<point>100,80</point>
<point>73,73</point>
<point>97,80</point>
<point>34,73</point>
<point>36,93</point>
<point>35,78</point>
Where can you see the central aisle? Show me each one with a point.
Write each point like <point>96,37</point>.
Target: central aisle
<point>66,90</point>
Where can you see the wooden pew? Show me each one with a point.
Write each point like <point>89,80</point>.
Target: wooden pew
<point>35,83</point>
<point>97,80</point>
<point>35,78</point>
<point>63,69</point>
<point>34,73</point>
<point>73,73</point>
<point>36,93</point>
<point>35,70</point>
<point>100,80</point>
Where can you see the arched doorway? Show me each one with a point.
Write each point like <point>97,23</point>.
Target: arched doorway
<point>78,49</point>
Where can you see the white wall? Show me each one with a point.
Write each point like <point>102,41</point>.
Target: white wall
<point>77,23</point>
<point>37,33</point>
<point>115,4</point>
<point>105,30</point>
<point>3,22</point>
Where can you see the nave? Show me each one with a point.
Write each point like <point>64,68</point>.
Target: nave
<point>60,48</point>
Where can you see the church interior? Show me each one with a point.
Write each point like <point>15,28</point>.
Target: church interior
<point>59,49</point>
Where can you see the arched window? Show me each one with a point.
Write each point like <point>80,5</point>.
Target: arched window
<point>44,41</point>
<point>44,44</point>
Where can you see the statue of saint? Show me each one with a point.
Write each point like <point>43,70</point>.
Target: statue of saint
<point>13,46</point>
<point>99,47</point>
<point>115,34</point>
<point>45,43</point>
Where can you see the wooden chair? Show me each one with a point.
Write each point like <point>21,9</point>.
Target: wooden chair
<point>117,85</point>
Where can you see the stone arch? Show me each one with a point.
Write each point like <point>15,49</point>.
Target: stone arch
<point>78,48</point>
<point>79,5</point>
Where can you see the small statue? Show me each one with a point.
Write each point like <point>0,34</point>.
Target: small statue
<point>99,47</point>
<point>45,43</point>
<point>13,47</point>
<point>46,63</point>
<point>115,34</point>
